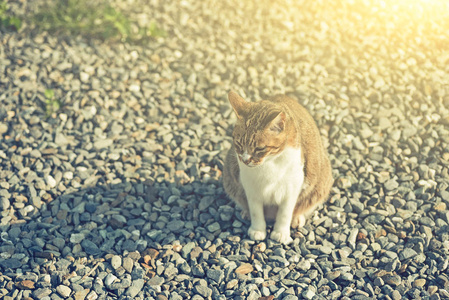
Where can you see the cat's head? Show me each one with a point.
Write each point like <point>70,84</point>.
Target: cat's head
<point>260,132</point>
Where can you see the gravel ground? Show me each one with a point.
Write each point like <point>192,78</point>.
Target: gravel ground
<point>118,195</point>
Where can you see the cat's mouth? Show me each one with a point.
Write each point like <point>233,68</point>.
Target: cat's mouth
<point>251,164</point>
<point>248,160</point>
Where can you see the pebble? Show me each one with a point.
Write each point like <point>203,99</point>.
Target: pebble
<point>347,276</point>
<point>203,291</point>
<point>110,279</point>
<point>85,294</point>
<point>187,249</point>
<point>135,288</point>
<point>333,275</point>
<point>304,265</point>
<point>396,295</point>
<point>213,227</point>
<point>308,294</point>
<point>116,262</point>
<point>40,293</point>
<point>215,275</point>
<point>25,285</point>
<point>156,281</point>
<point>3,128</point>
<point>77,238</point>
<point>11,263</point>
<point>392,279</point>
<point>407,253</point>
<point>90,247</point>
<point>244,269</point>
<point>128,264</point>
<point>175,225</point>
<point>63,291</point>
<point>419,282</point>
<point>4,203</point>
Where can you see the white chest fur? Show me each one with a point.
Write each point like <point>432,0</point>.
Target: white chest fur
<point>276,180</point>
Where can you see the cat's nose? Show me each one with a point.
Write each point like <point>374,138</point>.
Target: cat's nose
<point>246,158</point>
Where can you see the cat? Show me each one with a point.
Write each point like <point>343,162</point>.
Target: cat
<point>277,167</point>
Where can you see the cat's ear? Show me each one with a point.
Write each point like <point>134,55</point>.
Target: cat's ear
<point>239,104</point>
<point>276,122</point>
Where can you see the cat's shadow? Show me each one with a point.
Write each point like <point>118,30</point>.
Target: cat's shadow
<point>129,217</point>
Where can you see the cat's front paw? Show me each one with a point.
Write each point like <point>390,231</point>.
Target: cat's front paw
<point>281,236</point>
<point>298,221</point>
<point>257,235</point>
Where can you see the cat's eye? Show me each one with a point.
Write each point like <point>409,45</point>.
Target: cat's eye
<point>260,149</point>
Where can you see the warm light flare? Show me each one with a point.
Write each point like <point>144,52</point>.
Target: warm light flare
<point>415,7</point>
<point>424,21</point>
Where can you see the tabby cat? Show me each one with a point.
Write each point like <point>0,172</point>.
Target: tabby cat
<point>277,167</point>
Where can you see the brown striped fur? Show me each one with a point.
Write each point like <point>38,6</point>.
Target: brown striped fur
<point>296,128</point>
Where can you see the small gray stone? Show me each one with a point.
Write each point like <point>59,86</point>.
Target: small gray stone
<point>90,207</point>
<point>312,274</point>
<point>170,270</point>
<point>407,253</point>
<point>347,276</point>
<point>63,290</point>
<point>427,221</point>
<point>59,242</point>
<point>213,227</point>
<point>187,249</point>
<point>156,280</point>
<point>4,203</point>
<point>378,281</point>
<point>77,238</point>
<point>391,184</point>
<point>394,280</point>
<point>128,264</point>
<point>3,128</point>
<point>185,268</point>
<point>308,294</point>
<point>332,275</point>
<point>103,143</point>
<point>391,266</point>
<point>63,264</point>
<point>198,271</point>
<point>116,262</point>
<point>325,249</point>
<point>90,247</point>
<point>396,295</point>
<point>205,202</point>
<point>444,195</point>
<point>135,288</point>
<point>41,293</point>
<point>203,291</point>
<point>11,263</point>
<point>61,140</point>
<point>226,213</point>
<point>110,279</point>
<point>215,275</point>
<point>304,265</point>
<point>175,225</point>
<point>352,237</point>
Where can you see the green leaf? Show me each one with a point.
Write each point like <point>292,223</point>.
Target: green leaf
<point>49,94</point>
<point>92,19</point>
<point>15,22</point>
